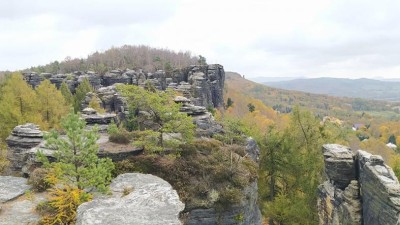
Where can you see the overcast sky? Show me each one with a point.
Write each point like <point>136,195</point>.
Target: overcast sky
<point>275,38</point>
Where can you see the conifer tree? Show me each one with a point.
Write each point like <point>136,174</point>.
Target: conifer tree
<point>69,99</point>
<point>52,104</point>
<point>164,114</point>
<point>76,157</point>
<point>81,92</point>
<point>18,104</point>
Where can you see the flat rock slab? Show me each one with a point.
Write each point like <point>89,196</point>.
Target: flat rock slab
<point>21,210</point>
<point>152,201</point>
<point>12,187</point>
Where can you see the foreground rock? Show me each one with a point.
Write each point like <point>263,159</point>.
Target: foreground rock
<point>12,187</point>
<point>360,189</point>
<point>152,201</point>
<point>22,210</point>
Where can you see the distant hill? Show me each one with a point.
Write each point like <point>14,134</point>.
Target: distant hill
<point>357,88</point>
<point>271,79</point>
<point>284,100</point>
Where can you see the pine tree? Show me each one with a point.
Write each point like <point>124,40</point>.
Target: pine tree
<point>81,92</point>
<point>164,113</point>
<point>52,104</point>
<point>76,157</point>
<point>69,99</point>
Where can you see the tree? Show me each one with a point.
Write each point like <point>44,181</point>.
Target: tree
<point>251,107</point>
<point>291,165</point>
<point>66,92</point>
<point>81,91</point>
<point>392,139</point>
<point>76,160</point>
<point>18,104</point>
<point>229,103</point>
<point>163,113</point>
<point>202,60</point>
<point>52,104</point>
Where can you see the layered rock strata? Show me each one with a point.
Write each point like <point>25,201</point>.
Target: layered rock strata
<point>203,85</point>
<point>360,189</point>
<point>22,139</point>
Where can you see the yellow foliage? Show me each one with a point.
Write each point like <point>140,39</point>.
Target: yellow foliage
<point>63,204</point>
<point>94,104</point>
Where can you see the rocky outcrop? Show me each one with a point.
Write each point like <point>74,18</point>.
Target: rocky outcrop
<point>380,190</point>
<point>246,213</point>
<point>12,187</point>
<point>101,120</point>
<point>22,139</point>
<point>136,199</point>
<point>360,189</point>
<point>203,85</point>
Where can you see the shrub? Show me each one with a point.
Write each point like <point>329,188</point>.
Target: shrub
<point>230,196</point>
<point>122,137</point>
<point>62,206</point>
<point>38,179</point>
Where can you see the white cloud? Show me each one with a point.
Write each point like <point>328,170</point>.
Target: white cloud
<point>341,38</point>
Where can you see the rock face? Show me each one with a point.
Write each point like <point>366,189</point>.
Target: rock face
<point>360,189</point>
<point>152,201</point>
<point>22,139</point>
<point>203,85</point>
<point>12,187</point>
<point>246,213</point>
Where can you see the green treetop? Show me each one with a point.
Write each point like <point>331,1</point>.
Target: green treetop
<point>81,92</point>
<point>77,163</point>
<point>164,113</point>
<point>52,104</point>
<point>69,99</point>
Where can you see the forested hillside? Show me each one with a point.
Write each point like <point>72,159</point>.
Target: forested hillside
<point>378,120</point>
<point>124,57</point>
<point>355,88</point>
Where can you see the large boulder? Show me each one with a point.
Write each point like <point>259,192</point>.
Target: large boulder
<point>151,201</point>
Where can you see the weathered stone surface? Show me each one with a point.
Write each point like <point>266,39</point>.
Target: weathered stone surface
<point>206,125</point>
<point>372,198</point>
<point>152,201</point>
<point>22,139</point>
<point>248,211</point>
<point>12,187</point>
<point>339,165</point>
<point>21,210</point>
<point>252,149</point>
<point>105,118</point>
<point>337,207</point>
<point>380,190</point>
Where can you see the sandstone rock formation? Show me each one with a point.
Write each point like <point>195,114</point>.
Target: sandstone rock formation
<point>203,85</point>
<point>360,189</point>
<point>151,201</point>
<point>245,213</point>
<point>22,139</point>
